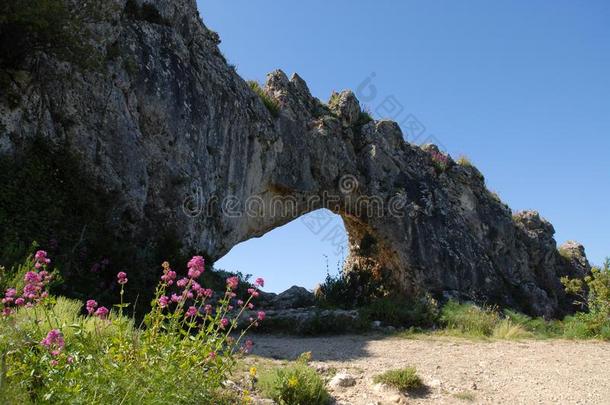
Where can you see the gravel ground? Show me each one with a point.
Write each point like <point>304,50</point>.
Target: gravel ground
<point>458,371</point>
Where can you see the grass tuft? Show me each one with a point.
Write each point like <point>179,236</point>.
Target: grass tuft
<point>508,330</point>
<point>272,105</point>
<point>405,379</point>
<point>469,319</point>
<point>465,396</point>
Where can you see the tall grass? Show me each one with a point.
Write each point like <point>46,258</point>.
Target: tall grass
<point>272,105</point>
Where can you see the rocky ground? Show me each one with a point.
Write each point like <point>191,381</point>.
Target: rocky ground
<point>456,370</point>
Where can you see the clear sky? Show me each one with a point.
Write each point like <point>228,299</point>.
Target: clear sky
<point>520,87</point>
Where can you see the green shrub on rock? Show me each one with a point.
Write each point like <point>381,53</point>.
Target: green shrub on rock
<point>272,105</point>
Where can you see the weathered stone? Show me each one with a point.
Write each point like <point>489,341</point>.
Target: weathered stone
<point>178,138</point>
<point>294,297</point>
<point>307,320</point>
<point>342,380</point>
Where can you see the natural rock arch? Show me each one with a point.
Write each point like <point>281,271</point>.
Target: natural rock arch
<point>185,142</point>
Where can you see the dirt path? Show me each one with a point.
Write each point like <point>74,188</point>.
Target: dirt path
<point>459,371</point>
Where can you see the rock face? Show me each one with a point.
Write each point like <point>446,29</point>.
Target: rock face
<point>177,137</point>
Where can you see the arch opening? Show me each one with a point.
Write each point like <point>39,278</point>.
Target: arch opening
<point>301,252</point>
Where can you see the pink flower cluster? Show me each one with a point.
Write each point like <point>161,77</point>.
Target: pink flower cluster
<point>54,342</point>
<point>122,278</point>
<point>35,285</point>
<point>100,312</point>
<point>440,160</point>
<point>232,283</point>
<point>196,267</point>
<point>41,259</point>
<point>169,275</point>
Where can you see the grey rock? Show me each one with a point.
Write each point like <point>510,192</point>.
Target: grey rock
<point>294,297</point>
<point>302,320</point>
<point>342,380</point>
<point>182,140</point>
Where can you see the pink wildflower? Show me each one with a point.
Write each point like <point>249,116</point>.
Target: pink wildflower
<point>90,306</point>
<point>41,259</point>
<point>240,303</point>
<point>163,301</point>
<point>196,266</point>
<point>122,277</point>
<point>20,302</point>
<point>253,292</point>
<point>54,363</point>
<point>232,282</point>
<point>169,276</point>
<point>182,282</point>
<point>250,305</point>
<point>260,282</point>
<point>70,359</point>
<point>207,309</point>
<point>41,255</point>
<point>54,340</point>
<point>261,315</point>
<point>248,346</point>
<point>176,298</point>
<point>7,311</point>
<point>101,312</point>
<point>192,311</point>
<point>32,277</point>
<point>224,322</point>
<point>10,293</point>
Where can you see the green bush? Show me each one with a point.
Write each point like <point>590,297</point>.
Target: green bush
<point>355,288</point>
<point>405,379</point>
<point>401,311</point>
<point>469,319</point>
<point>593,294</point>
<point>295,384</point>
<point>538,327</point>
<point>272,105</point>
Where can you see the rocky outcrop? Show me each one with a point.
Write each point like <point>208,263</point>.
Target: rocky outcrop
<point>173,133</point>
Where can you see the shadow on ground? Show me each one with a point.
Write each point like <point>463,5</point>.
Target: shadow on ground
<point>322,348</point>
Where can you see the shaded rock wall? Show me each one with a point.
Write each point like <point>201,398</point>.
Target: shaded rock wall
<point>171,131</point>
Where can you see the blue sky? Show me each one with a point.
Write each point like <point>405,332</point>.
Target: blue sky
<point>521,87</point>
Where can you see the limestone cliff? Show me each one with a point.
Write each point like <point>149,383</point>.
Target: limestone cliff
<point>176,136</point>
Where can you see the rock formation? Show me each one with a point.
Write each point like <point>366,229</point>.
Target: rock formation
<point>176,136</point>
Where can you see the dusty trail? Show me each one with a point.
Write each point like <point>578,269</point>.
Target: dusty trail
<point>459,371</point>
